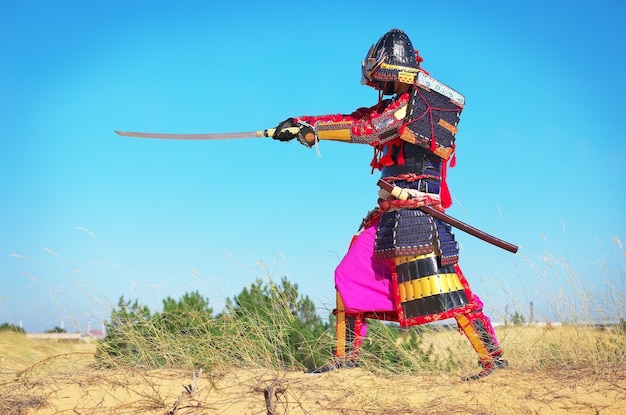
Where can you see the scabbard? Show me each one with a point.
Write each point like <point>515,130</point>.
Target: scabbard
<point>469,229</point>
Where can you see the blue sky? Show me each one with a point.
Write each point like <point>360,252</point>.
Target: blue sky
<point>87,216</point>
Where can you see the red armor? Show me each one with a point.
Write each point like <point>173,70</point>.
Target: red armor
<point>402,265</point>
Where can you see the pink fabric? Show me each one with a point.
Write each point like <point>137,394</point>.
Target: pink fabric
<point>363,281</point>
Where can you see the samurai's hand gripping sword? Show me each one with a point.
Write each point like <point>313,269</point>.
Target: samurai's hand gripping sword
<point>402,194</point>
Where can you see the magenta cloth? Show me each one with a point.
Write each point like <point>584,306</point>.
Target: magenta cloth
<point>363,281</point>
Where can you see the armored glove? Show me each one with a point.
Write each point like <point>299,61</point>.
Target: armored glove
<point>289,129</point>
<point>283,132</point>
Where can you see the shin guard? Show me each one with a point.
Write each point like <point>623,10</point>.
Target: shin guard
<point>478,329</point>
<point>350,330</point>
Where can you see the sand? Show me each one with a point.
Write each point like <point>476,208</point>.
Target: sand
<point>42,377</point>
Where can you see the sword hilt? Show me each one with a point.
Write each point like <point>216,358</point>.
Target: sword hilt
<point>402,194</point>
<point>270,131</point>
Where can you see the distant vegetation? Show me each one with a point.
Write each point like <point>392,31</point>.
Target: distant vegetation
<point>56,330</point>
<point>11,327</point>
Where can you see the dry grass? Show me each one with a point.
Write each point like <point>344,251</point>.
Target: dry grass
<point>535,348</point>
<point>555,370</point>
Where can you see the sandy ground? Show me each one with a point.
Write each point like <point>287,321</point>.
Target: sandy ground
<point>43,380</point>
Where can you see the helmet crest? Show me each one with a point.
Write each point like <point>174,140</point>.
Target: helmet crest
<point>391,59</point>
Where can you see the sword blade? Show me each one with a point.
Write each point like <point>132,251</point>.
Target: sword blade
<point>218,136</point>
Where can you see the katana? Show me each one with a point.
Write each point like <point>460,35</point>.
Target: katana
<point>402,194</point>
<point>218,136</point>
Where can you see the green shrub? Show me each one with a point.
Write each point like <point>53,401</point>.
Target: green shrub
<point>265,325</point>
<point>396,350</point>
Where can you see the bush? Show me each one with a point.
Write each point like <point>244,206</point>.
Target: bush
<point>266,324</point>
<point>283,320</point>
<point>397,350</point>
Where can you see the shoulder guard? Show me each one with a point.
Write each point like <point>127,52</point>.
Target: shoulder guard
<point>432,116</point>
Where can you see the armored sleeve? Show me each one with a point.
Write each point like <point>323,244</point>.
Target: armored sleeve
<point>375,125</point>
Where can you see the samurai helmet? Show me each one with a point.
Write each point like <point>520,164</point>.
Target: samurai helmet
<point>391,59</point>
